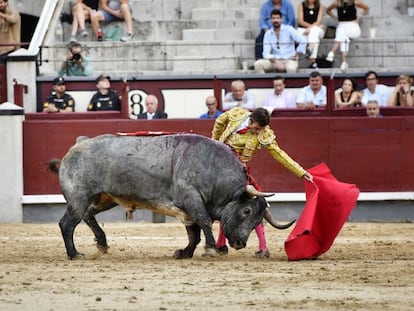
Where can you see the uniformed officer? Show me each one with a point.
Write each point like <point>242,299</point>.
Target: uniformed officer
<point>106,98</point>
<point>59,100</point>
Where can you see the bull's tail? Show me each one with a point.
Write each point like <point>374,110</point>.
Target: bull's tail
<point>53,166</point>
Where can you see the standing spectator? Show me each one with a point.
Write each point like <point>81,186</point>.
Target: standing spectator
<point>348,26</point>
<point>59,100</point>
<point>105,98</point>
<point>9,27</point>
<point>313,95</point>
<point>111,10</point>
<point>75,64</point>
<point>151,104</point>
<point>279,97</point>
<point>279,52</point>
<point>82,11</point>
<point>310,13</point>
<point>402,95</point>
<point>238,97</point>
<point>247,133</point>
<point>288,12</point>
<point>212,111</point>
<point>375,91</point>
<point>373,109</point>
<point>348,96</point>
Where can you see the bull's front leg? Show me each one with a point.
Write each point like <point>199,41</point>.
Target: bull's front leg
<point>193,232</point>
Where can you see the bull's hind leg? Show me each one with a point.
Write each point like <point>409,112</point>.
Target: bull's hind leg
<point>67,226</point>
<point>90,220</point>
<point>193,233</point>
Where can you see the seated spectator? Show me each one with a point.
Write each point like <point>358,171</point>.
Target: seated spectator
<point>59,100</point>
<point>151,104</point>
<point>279,52</point>
<point>10,23</point>
<point>212,111</point>
<point>82,11</point>
<point>75,64</point>
<point>313,95</point>
<point>238,97</point>
<point>375,91</point>
<point>112,10</point>
<point>105,98</point>
<point>373,109</point>
<point>348,96</point>
<point>279,97</point>
<point>310,13</point>
<point>288,12</point>
<point>348,26</point>
<point>402,95</point>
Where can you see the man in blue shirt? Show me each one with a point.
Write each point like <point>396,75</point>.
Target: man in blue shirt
<point>212,111</point>
<point>265,23</point>
<point>279,53</point>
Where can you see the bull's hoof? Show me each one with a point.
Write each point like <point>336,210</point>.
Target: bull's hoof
<point>102,248</point>
<point>209,252</point>
<point>224,250</point>
<point>77,256</point>
<point>182,254</point>
<point>262,254</point>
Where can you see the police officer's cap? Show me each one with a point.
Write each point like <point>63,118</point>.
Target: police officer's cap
<point>58,81</point>
<point>102,77</point>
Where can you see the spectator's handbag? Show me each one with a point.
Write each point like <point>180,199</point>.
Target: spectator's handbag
<point>323,63</point>
<point>330,32</point>
<point>113,33</point>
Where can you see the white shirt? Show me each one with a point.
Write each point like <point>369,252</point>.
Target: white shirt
<point>284,46</point>
<point>286,99</point>
<point>381,95</point>
<point>248,99</point>
<point>150,116</point>
<point>306,95</point>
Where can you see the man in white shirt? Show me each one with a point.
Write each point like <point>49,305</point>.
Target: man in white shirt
<point>279,52</point>
<point>279,97</point>
<point>374,91</point>
<point>238,97</point>
<point>313,95</point>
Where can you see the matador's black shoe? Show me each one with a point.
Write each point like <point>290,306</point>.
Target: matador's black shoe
<point>224,250</point>
<point>262,254</point>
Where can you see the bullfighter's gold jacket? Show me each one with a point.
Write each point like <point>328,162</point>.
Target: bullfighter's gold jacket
<point>248,144</point>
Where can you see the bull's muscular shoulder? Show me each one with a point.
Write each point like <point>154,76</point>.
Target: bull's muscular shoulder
<point>238,113</point>
<point>266,136</point>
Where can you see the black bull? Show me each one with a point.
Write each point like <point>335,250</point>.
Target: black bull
<point>189,177</point>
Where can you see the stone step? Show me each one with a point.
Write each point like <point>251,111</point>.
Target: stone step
<point>205,64</point>
<point>161,55</point>
<point>225,14</point>
<point>226,35</point>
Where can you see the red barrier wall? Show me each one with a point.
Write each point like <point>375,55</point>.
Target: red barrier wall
<point>375,154</point>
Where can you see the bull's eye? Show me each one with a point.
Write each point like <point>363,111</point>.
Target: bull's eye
<point>247,212</point>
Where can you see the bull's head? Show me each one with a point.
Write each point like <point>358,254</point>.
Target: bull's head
<point>245,214</point>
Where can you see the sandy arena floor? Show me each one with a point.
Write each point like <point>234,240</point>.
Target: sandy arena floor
<point>369,267</point>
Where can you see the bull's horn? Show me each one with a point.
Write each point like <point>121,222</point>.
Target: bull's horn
<point>254,192</point>
<point>274,223</point>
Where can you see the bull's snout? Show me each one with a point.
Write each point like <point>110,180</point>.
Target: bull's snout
<point>238,245</point>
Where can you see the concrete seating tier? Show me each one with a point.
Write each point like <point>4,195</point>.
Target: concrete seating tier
<point>218,35</point>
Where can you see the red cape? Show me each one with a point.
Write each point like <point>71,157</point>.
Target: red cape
<point>329,202</point>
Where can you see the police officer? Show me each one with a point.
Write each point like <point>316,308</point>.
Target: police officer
<point>59,100</point>
<point>105,98</point>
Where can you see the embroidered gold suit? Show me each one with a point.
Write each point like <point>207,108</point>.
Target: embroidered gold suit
<point>248,144</point>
